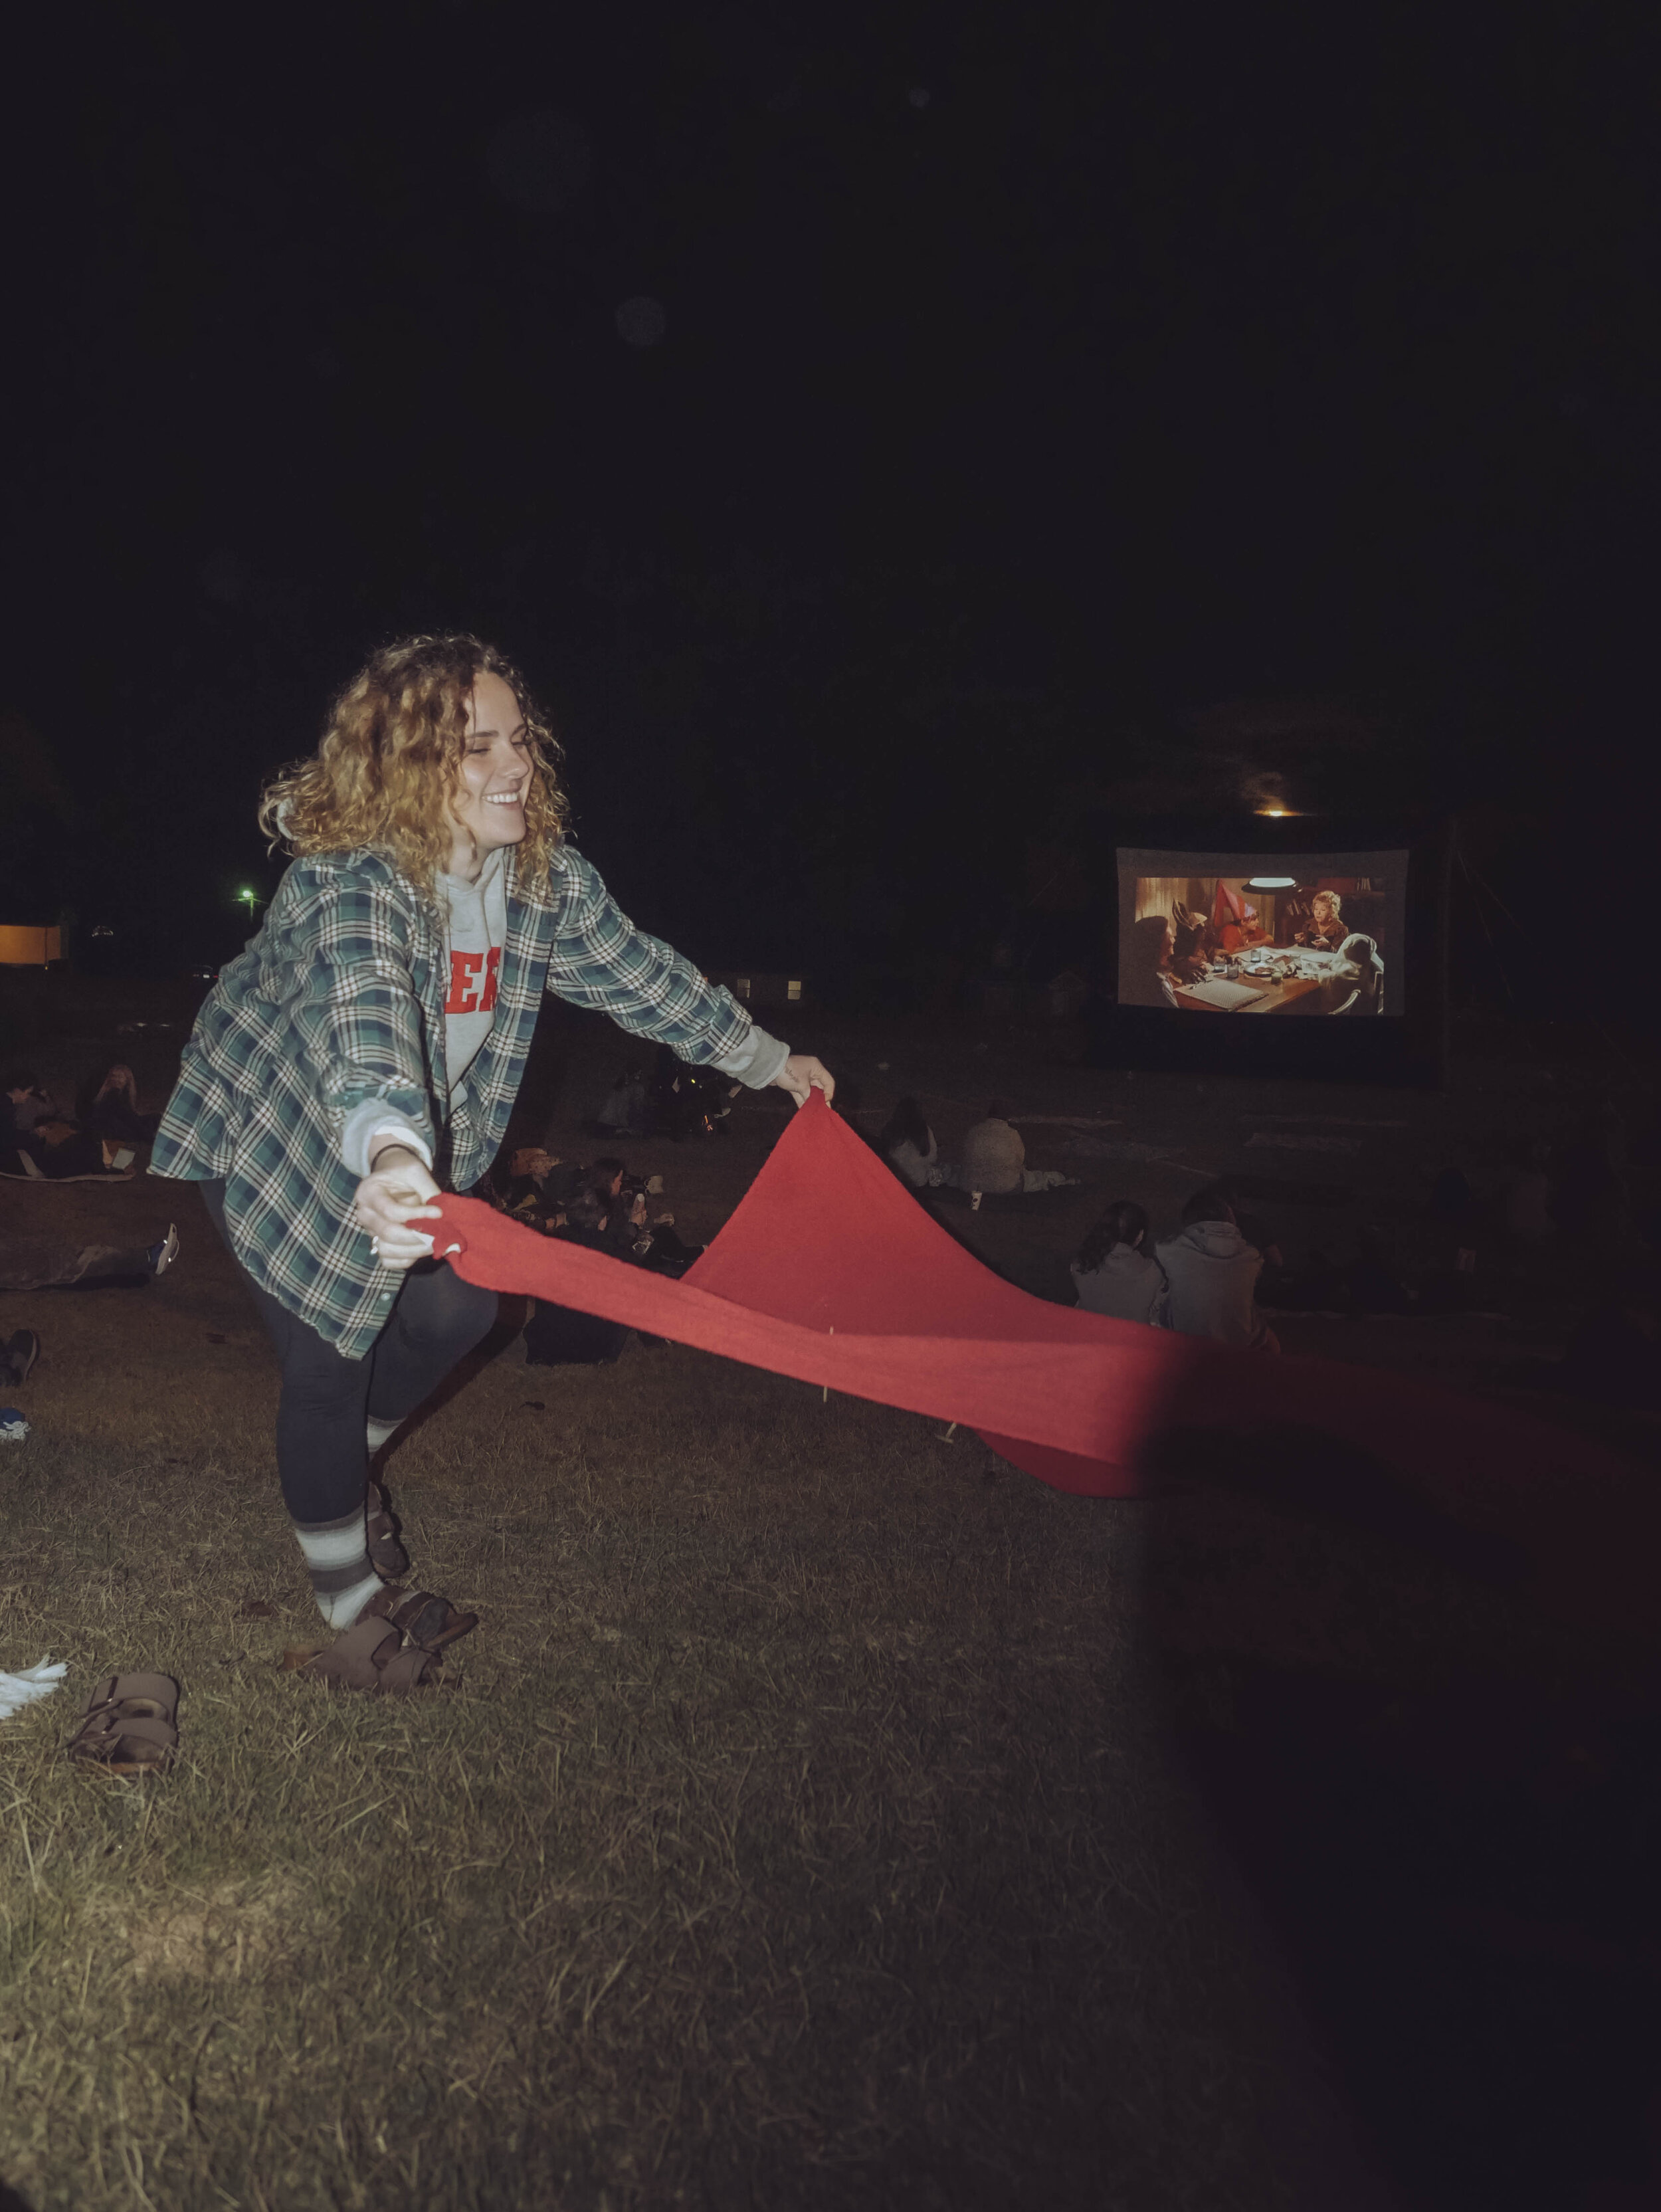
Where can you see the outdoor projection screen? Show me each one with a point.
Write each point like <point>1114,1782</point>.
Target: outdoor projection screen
<point>1285,937</point>
<point>1270,950</point>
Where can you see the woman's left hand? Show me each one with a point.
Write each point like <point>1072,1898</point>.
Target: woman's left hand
<point>802,1075</point>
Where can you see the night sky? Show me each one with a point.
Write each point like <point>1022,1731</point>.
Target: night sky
<point>881,436</point>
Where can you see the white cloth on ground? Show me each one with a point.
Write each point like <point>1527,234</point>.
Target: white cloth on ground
<point>39,1680</point>
<point>955,1178</point>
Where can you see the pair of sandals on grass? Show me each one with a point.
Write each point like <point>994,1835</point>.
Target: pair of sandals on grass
<point>132,1725</point>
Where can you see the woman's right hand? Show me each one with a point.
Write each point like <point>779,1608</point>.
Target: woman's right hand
<point>396,1192</point>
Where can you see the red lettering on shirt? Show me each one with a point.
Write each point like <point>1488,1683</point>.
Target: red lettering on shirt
<point>470,992</point>
<point>463,971</point>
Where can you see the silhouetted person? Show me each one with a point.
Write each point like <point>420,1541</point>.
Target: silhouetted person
<point>1213,1274</point>
<point>908,1143</point>
<point>1115,1273</point>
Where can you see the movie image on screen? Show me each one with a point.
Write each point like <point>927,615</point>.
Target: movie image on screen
<point>1292,935</point>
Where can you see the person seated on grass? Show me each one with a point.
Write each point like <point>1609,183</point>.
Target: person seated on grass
<point>1115,1273</point>
<point>45,1149</point>
<point>31,1102</point>
<point>613,1208</point>
<point>1252,1226</point>
<point>667,1253</point>
<point>374,1033</point>
<point>993,1160</point>
<point>907,1144</point>
<point>603,1216</point>
<point>39,1263</point>
<point>17,1356</point>
<point>1213,1272</point>
<point>620,1213</point>
<point>686,1102</point>
<point>521,1185</point>
<point>109,1106</point>
<point>624,1107</point>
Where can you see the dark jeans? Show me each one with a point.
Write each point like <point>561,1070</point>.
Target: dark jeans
<point>326,1398</point>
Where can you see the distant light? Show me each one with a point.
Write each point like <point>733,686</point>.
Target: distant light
<point>741,984</point>
<point>641,322</point>
<point>1271,884</point>
<point>1274,813</point>
<point>792,990</point>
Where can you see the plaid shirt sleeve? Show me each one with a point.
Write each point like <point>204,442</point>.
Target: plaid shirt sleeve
<point>599,959</point>
<point>322,1011</point>
<point>352,1002</point>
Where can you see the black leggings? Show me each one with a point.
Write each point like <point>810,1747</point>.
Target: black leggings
<point>326,1398</point>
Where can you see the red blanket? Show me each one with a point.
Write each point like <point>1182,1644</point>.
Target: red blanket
<point>831,1271</point>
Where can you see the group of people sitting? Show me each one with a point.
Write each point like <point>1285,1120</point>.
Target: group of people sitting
<point>992,1160</point>
<point>41,1140</point>
<point>603,1208</point>
<point>97,1140</point>
<point>600,1204</point>
<point>1203,1281</point>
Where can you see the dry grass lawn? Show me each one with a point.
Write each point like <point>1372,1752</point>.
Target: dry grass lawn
<point>795,1830</point>
<point>805,1826</point>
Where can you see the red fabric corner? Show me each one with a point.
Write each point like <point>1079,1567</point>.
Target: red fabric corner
<point>830,1271</point>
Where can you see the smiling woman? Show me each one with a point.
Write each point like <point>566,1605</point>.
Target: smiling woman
<point>430,714</point>
<point>368,1046</point>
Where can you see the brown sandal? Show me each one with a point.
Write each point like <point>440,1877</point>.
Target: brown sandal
<point>129,1726</point>
<point>387,1553</point>
<point>368,1658</point>
<point>431,1622</point>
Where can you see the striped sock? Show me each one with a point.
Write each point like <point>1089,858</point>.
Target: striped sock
<point>337,1559</point>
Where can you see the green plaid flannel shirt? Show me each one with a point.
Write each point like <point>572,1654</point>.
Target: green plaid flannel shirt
<point>340,998</point>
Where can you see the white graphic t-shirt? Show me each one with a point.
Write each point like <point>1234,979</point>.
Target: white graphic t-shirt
<point>475,931</point>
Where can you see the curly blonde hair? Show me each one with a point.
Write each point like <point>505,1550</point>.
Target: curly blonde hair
<point>390,762</point>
